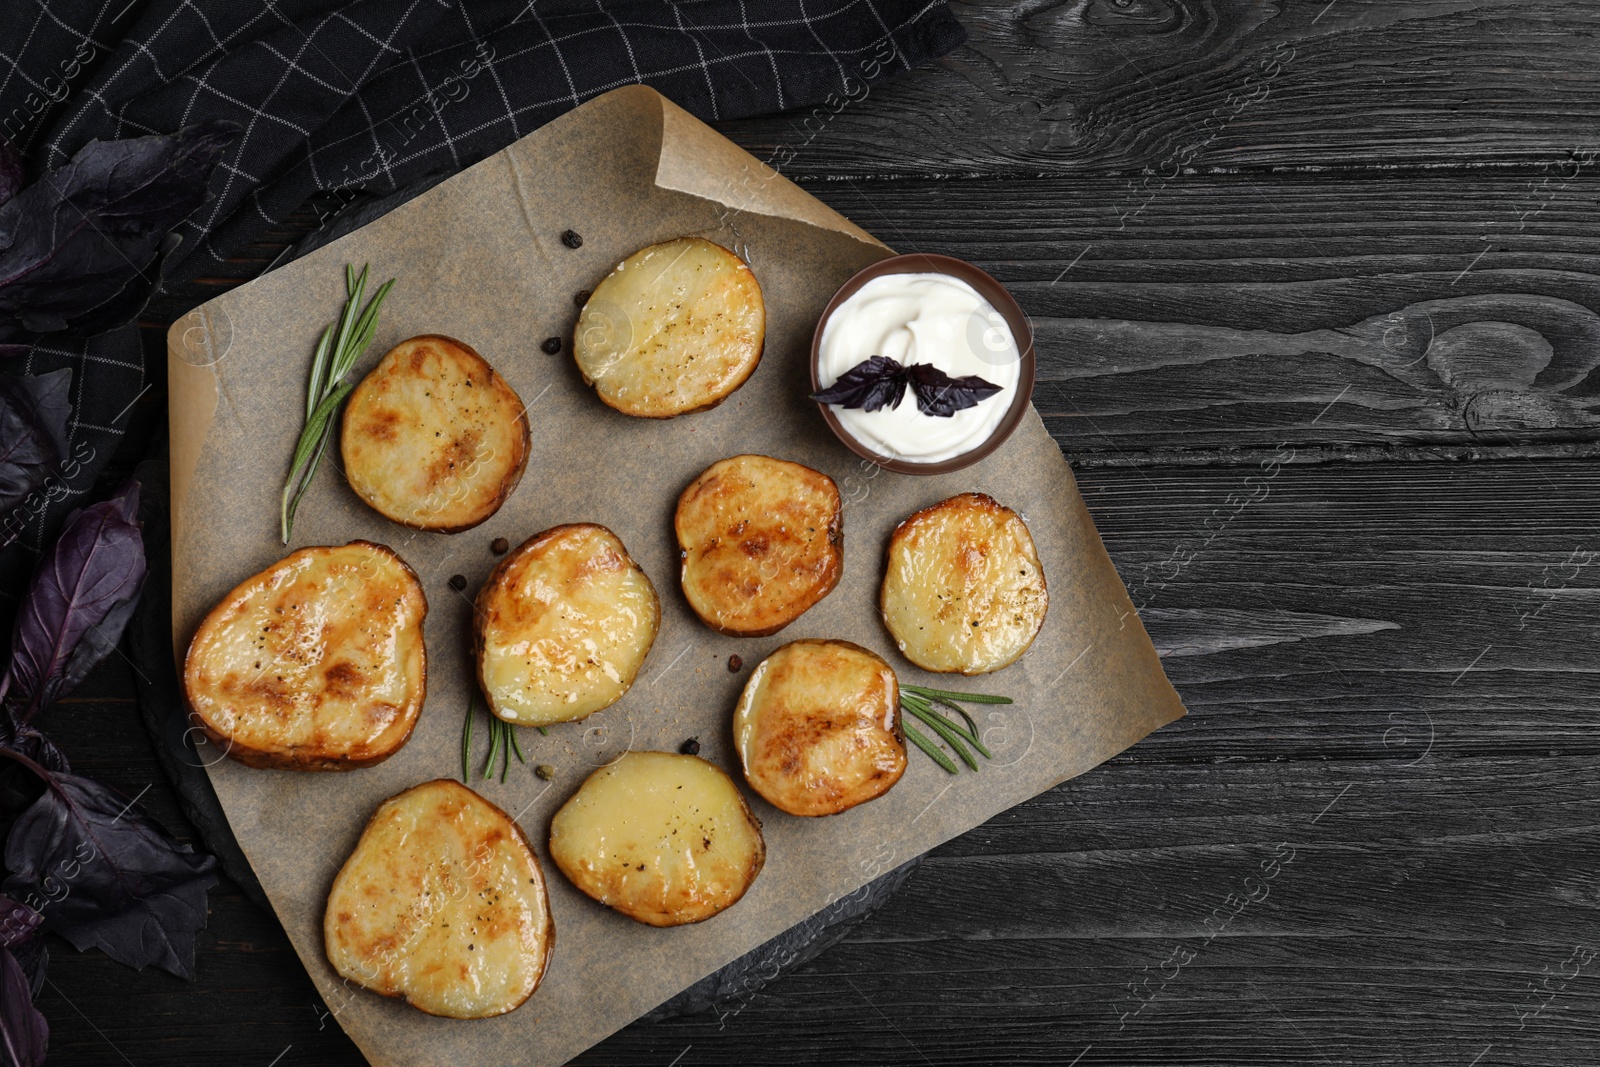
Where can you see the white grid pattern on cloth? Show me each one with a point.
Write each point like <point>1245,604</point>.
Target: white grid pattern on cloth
<point>326,90</point>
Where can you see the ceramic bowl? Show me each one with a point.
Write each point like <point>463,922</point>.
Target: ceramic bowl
<point>999,299</point>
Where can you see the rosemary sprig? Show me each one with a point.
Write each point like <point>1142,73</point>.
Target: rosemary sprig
<point>947,694</point>
<point>494,748</point>
<point>970,734</point>
<point>466,738</point>
<point>930,748</point>
<point>503,743</point>
<point>340,345</point>
<point>919,702</point>
<point>942,727</point>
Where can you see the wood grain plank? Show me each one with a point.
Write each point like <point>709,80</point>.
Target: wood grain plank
<point>1187,319</point>
<point>1389,666</point>
<point>1365,611</point>
<point>1414,915</point>
<point>1102,86</point>
<point>1219,318</point>
<point>1301,913</point>
<point>1443,821</point>
<point>1213,318</point>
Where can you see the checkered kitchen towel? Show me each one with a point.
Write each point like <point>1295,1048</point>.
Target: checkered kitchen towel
<point>372,95</point>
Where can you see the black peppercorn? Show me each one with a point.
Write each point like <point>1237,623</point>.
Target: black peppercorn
<point>551,345</point>
<point>581,297</point>
<point>571,239</point>
<point>499,546</point>
<point>690,747</point>
<point>735,663</point>
<point>458,582</point>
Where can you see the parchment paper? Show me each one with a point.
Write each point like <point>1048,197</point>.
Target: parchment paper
<point>480,258</point>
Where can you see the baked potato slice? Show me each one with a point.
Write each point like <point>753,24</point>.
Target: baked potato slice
<point>663,838</point>
<point>442,905</point>
<point>315,664</point>
<point>433,438</point>
<point>563,625</point>
<point>963,591</point>
<point>674,328</point>
<point>762,541</point>
<point>818,727</point>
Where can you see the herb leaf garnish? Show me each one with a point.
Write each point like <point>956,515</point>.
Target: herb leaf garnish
<point>920,702</point>
<point>24,1032</point>
<point>98,870</point>
<point>502,742</point>
<point>80,248</point>
<point>875,383</point>
<point>78,604</point>
<point>880,382</point>
<point>338,349</point>
<point>33,431</point>
<point>130,889</point>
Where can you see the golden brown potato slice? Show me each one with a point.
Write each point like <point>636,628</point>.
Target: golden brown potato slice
<point>563,626</point>
<point>818,727</point>
<point>762,541</point>
<point>964,592</point>
<point>674,328</point>
<point>663,838</point>
<point>315,664</point>
<point>443,905</point>
<point>433,438</point>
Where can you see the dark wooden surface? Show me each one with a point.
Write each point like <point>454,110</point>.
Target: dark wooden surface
<point>1317,287</point>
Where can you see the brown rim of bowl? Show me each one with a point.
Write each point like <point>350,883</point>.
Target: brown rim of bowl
<point>992,291</point>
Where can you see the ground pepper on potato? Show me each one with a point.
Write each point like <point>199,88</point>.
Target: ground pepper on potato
<point>316,663</point>
<point>433,437</point>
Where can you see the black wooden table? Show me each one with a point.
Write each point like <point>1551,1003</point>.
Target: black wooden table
<point>1316,289</point>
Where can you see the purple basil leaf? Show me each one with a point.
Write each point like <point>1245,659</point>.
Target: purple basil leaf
<point>126,305</point>
<point>874,383</point>
<point>24,1033</point>
<point>941,396</point>
<point>18,922</point>
<point>10,170</point>
<point>78,602</point>
<point>33,432</point>
<point>87,232</point>
<point>21,933</point>
<point>98,641</point>
<point>35,960</point>
<point>109,876</point>
<point>24,738</point>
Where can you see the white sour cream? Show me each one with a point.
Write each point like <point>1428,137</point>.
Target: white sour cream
<point>921,318</point>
